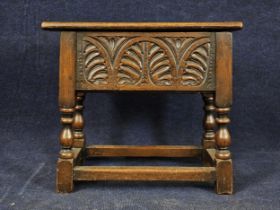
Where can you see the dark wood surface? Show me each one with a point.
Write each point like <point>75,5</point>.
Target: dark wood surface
<point>223,69</point>
<point>142,151</point>
<point>143,26</point>
<point>182,56</point>
<point>135,61</point>
<point>144,173</point>
<point>67,69</point>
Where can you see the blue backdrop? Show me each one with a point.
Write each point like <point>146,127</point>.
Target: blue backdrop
<point>29,117</point>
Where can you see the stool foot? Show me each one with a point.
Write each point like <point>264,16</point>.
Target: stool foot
<point>64,175</point>
<point>224,182</point>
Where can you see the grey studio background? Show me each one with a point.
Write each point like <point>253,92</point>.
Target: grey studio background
<point>29,117</point>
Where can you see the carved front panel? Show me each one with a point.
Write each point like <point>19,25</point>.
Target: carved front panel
<point>145,61</point>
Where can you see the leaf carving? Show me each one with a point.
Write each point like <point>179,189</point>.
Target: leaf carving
<point>179,45</point>
<point>145,60</point>
<point>159,65</point>
<point>131,64</point>
<point>96,71</point>
<point>112,44</point>
<point>196,65</point>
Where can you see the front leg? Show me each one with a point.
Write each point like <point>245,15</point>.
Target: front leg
<point>224,183</point>
<point>223,101</point>
<point>67,65</point>
<point>64,173</point>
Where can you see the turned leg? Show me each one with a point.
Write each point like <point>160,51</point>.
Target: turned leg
<point>224,182</point>
<point>64,176</point>
<point>209,124</point>
<point>67,69</point>
<point>78,121</point>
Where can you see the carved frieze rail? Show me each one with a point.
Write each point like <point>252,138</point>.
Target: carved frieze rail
<point>145,61</point>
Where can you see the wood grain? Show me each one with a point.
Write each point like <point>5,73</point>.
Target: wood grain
<point>64,175</point>
<point>223,69</point>
<point>67,69</point>
<point>142,151</point>
<point>146,61</point>
<point>143,26</point>
<point>144,173</point>
<point>224,183</point>
<point>146,56</point>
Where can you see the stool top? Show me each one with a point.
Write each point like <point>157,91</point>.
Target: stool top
<point>142,26</point>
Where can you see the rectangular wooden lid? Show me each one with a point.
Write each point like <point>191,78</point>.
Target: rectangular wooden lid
<point>142,26</point>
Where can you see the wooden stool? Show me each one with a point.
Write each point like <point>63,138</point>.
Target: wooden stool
<point>184,56</point>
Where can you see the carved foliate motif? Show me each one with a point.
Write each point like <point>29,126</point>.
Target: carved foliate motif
<point>195,66</point>
<point>144,62</point>
<point>130,69</point>
<point>96,71</point>
<point>116,61</point>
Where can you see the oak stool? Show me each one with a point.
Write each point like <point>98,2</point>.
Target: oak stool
<point>145,56</point>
